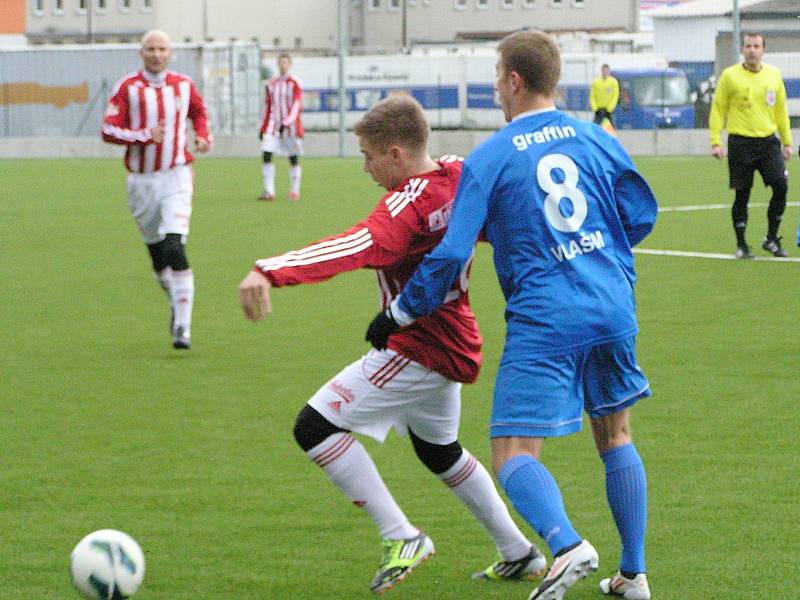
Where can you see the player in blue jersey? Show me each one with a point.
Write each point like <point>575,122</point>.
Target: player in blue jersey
<point>562,205</point>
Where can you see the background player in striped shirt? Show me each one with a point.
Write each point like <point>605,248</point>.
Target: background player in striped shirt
<point>281,130</point>
<point>413,385</point>
<point>147,112</point>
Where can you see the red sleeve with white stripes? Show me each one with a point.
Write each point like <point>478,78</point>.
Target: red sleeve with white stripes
<point>116,127</point>
<point>297,103</point>
<point>198,114</point>
<point>267,110</point>
<point>361,246</point>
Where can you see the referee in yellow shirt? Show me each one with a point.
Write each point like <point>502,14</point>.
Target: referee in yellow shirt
<point>750,102</point>
<point>604,95</point>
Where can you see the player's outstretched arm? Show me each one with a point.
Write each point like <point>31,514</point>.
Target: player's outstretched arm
<point>254,296</point>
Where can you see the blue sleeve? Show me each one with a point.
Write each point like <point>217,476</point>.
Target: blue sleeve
<point>434,277</point>
<point>636,204</point>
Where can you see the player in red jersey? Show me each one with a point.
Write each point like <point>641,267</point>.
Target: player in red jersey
<point>281,130</point>
<point>148,112</point>
<point>415,384</point>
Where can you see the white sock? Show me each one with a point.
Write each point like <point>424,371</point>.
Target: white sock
<point>471,482</point>
<point>164,277</point>
<point>181,291</point>
<point>268,175</point>
<point>295,173</point>
<point>346,462</point>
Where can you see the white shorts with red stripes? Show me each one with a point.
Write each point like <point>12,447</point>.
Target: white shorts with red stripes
<point>383,390</point>
<point>161,202</point>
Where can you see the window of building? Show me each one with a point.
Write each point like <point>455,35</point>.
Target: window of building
<point>276,42</point>
<point>38,7</point>
<point>101,6</point>
<point>147,5</point>
<point>124,5</point>
<point>58,8</point>
<point>481,4</point>
<point>394,4</point>
<point>528,3</point>
<point>556,3</point>
<point>507,4</point>
<point>374,4</point>
<point>80,6</point>
<point>578,3</point>
<point>460,4</point>
<point>298,42</point>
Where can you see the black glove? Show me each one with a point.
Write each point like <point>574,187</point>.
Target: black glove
<point>280,130</point>
<point>261,135</point>
<point>382,326</point>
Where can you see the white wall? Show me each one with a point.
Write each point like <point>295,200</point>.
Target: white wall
<point>688,39</point>
<point>658,142</point>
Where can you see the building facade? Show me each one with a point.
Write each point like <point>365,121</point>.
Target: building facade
<point>387,25</point>
<point>311,25</point>
<point>281,24</point>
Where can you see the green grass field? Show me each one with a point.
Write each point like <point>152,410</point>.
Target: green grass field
<point>104,425</point>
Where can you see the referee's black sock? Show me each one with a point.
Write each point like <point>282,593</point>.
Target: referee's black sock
<point>739,216</point>
<point>777,205</point>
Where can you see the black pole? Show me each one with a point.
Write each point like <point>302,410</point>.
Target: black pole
<point>404,27</point>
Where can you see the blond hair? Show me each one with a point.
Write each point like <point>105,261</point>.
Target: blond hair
<point>398,119</point>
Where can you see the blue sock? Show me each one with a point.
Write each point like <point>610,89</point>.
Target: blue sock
<point>535,494</point>
<point>626,489</point>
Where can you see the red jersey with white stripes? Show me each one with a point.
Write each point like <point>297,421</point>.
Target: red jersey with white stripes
<point>284,103</point>
<point>407,223</point>
<point>141,101</point>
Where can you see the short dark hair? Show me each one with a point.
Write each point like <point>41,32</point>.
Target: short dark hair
<point>758,34</point>
<point>604,66</point>
<point>398,119</point>
<point>535,57</point>
<point>284,55</point>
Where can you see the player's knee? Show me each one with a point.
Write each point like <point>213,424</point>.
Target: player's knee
<point>267,157</point>
<point>294,160</point>
<point>311,428</point>
<point>779,188</point>
<point>157,256</point>
<point>174,252</point>
<point>434,456</point>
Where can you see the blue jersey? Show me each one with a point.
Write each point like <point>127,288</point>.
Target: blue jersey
<point>562,205</point>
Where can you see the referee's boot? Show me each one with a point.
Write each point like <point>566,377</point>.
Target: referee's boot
<point>743,251</point>
<point>773,246</point>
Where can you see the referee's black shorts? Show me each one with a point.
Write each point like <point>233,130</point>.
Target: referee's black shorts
<point>746,155</point>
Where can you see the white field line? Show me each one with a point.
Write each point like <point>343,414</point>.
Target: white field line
<point>714,207</point>
<point>712,255</point>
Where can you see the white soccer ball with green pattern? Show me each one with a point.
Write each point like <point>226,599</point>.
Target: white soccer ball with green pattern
<point>107,565</point>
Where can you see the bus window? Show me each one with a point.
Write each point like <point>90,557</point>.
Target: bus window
<point>661,91</point>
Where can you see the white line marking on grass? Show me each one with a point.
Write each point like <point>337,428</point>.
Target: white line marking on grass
<point>714,207</point>
<point>712,255</point>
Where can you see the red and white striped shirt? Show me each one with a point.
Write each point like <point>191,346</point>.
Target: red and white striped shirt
<point>407,223</point>
<point>139,102</point>
<point>284,103</point>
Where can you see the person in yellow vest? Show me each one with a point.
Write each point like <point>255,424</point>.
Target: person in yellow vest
<point>604,96</point>
<point>750,103</point>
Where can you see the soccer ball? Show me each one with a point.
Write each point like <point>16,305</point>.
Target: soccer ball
<point>107,565</point>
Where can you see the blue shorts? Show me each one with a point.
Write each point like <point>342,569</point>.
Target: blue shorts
<point>544,396</point>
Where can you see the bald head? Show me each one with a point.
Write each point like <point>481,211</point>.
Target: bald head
<point>155,35</point>
<point>156,51</point>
